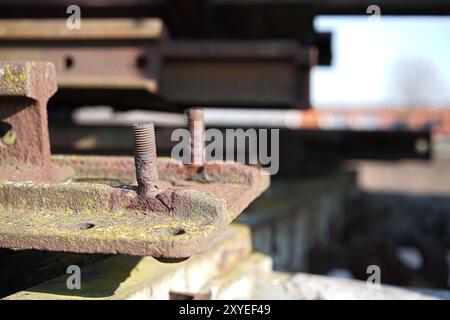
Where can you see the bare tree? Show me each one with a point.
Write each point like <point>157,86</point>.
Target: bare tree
<point>417,82</point>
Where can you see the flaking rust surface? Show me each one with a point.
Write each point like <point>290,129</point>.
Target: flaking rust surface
<point>99,211</point>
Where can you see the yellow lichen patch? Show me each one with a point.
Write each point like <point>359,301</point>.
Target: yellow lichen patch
<point>57,197</point>
<point>74,217</point>
<point>100,217</point>
<point>108,233</point>
<point>13,78</point>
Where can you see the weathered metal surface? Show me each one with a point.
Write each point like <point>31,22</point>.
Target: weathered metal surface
<point>191,209</point>
<point>83,58</point>
<point>96,207</point>
<point>148,64</point>
<point>214,19</point>
<point>92,29</point>
<point>78,67</point>
<point>25,148</point>
<point>237,73</point>
<point>145,158</point>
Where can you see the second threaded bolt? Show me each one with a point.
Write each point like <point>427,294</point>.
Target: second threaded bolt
<point>196,125</point>
<point>145,156</point>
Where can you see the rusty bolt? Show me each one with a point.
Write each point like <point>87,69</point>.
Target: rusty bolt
<point>196,125</point>
<point>145,157</point>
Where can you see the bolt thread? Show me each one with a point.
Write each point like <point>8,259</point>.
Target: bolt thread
<point>194,115</point>
<point>196,125</point>
<point>145,156</point>
<point>144,140</point>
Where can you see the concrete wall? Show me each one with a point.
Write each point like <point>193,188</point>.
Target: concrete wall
<point>294,216</point>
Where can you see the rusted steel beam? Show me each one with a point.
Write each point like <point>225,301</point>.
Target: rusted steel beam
<point>175,210</point>
<point>25,148</point>
<point>83,58</point>
<point>92,29</point>
<point>237,73</point>
<point>195,72</point>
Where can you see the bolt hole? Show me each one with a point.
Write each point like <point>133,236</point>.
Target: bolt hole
<point>141,62</point>
<point>85,226</point>
<point>7,134</point>
<point>178,231</point>
<point>69,62</point>
<point>421,146</point>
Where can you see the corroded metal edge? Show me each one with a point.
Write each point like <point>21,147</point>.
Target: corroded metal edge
<point>107,218</point>
<point>34,80</point>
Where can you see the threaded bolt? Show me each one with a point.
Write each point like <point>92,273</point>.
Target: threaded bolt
<point>145,157</point>
<point>196,124</point>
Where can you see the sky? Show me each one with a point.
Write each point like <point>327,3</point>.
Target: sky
<point>392,61</point>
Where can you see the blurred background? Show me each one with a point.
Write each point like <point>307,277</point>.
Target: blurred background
<point>359,91</point>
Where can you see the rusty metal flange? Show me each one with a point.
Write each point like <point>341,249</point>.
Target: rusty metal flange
<point>99,211</point>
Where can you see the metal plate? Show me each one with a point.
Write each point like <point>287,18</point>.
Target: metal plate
<point>99,211</point>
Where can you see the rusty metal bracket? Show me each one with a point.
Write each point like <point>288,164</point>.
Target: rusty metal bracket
<point>25,148</point>
<point>92,204</point>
